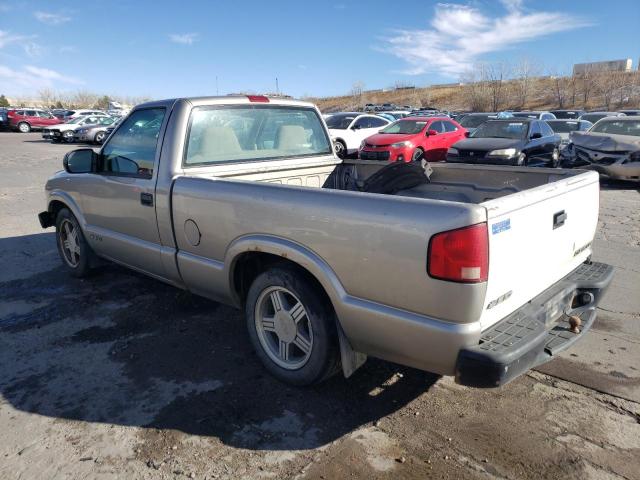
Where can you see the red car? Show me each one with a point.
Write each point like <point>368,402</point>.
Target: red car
<point>27,119</point>
<point>413,138</point>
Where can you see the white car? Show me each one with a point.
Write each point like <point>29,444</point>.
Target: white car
<point>348,130</point>
<point>66,131</point>
<point>83,112</point>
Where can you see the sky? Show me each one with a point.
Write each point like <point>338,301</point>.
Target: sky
<point>163,49</point>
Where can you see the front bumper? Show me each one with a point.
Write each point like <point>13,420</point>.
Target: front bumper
<point>535,333</point>
<point>482,160</point>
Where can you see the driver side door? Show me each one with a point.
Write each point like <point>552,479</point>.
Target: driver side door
<point>118,203</point>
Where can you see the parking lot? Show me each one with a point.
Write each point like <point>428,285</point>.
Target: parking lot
<point>123,375</point>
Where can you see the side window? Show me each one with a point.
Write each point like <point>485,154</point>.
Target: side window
<point>437,126</point>
<point>378,122</point>
<point>534,128</point>
<point>363,122</point>
<point>547,131</point>
<point>20,112</point>
<point>30,113</point>
<point>131,150</point>
<point>449,127</point>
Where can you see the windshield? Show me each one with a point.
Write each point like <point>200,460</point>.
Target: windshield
<point>593,117</point>
<point>409,127</point>
<point>618,127</point>
<point>340,121</point>
<point>493,129</point>
<point>563,126</point>
<point>247,133</point>
<point>473,121</point>
<point>75,120</point>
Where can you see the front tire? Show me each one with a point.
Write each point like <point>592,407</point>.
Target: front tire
<point>292,327</point>
<point>24,127</point>
<point>68,136</point>
<point>522,160</point>
<point>418,153</point>
<point>99,138</point>
<point>555,158</point>
<point>340,149</point>
<point>74,251</point>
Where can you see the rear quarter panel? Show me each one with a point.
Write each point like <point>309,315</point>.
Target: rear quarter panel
<point>376,245</point>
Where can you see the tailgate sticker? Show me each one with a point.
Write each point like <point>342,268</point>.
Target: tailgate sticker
<point>501,226</point>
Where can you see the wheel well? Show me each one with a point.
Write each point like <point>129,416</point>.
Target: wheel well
<point>54,207</point>
<point>251,264</point>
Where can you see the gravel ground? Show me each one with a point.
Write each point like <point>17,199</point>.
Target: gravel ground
<point>120,376</point>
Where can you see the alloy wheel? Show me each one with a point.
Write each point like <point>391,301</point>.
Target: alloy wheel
<point>68,238</point>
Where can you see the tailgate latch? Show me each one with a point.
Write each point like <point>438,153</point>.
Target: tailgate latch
<point>558,219</point>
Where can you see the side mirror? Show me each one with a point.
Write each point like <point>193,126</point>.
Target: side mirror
<point>536,135</point>
<point>356,127</point>
<point>432,132</point>
<point>82,160</point>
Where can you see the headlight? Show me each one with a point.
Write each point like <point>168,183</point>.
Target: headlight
<point>503,152</point>
<point>452,151</point>
<point>402,144</point>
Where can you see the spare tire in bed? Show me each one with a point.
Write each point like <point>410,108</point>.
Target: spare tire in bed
<point>397,176</point>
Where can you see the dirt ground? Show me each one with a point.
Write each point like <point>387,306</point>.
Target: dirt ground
<point>121,376</point>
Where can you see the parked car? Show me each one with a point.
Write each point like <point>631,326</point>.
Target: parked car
<point>471,121</point>
<point>447,276</point>
<point>4,118</point>
<point>593,117</point>
<point>95,133</point>
<point>26,119</point>
<point>534,114</point>
<point>82,112</point>
<point>564,128</point>
<point>349,129</point>
<point>413,138</point>
<point>611,147</point>
<point>387,116</point>
<point>631,113</point>
<point>568,114</point>
<point>515,141</point>
<point>66,131</point>
<point>61,113</point>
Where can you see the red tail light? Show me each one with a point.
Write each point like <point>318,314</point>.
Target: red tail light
<point>460,255</point>
<point>258,98</point>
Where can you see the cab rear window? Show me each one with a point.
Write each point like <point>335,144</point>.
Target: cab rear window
<point>248,133</point>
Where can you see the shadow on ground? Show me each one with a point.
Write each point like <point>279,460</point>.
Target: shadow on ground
<point>124,349</point>
<point>612,184</point>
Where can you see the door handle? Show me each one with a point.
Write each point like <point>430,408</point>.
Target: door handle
<point>559,219</point>
<point>146,199</point>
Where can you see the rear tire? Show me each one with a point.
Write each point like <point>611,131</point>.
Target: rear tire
<point>24,127</point>
<point>74,251</point>
<point>292,327</point>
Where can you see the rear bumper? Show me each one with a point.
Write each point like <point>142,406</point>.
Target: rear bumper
<point>535,333</point>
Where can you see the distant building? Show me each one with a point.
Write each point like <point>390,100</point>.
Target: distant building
<point>606,66</point>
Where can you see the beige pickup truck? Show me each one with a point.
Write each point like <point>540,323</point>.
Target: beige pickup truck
<point>481,272</point>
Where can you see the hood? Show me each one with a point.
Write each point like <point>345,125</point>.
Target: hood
<point>383,139</point>
<point>487,144</point>
<point>605,142</point>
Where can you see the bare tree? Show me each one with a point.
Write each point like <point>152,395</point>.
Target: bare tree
<point>561,89</point>
<point>356,93</point>
<point>496,75</point>
<point>524,72</point>
<point>587,84</point>
<point>47,97</point>
<point>476,88</point>
<point>573,88</point>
